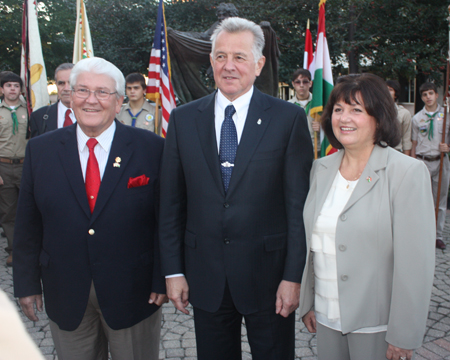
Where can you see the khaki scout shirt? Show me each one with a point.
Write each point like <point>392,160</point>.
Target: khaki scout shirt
<point>145,120</point>
<point>404,118</point>
<point>13,146</point>
<point>420,126</point>
<point>294,100</point>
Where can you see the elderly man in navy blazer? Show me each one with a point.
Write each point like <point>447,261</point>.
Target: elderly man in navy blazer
<point>234,180</point>
<point>87,225</point>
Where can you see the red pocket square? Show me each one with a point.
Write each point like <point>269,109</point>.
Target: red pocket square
<point>138,181</point>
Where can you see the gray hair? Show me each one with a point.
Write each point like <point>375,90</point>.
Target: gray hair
<point>237,25</point>
<point>64,66</point>
<point>99,66</point>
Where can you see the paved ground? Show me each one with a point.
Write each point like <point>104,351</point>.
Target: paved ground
<point>178,338</point>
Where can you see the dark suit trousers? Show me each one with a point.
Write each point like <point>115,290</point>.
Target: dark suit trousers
<point>271,336</point>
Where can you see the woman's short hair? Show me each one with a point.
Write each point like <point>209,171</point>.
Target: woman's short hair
<point>377,101</point>
<point>98,66</point>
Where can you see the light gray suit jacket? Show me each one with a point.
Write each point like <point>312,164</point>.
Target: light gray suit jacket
<point>385,245</point>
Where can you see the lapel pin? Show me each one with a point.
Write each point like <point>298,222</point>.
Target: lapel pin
<point>117,162</point>
<point>369,179</point>
<point>259,122</point>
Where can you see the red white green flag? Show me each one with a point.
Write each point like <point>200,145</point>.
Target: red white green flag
<point>323,77</point>
<point>308,58</point>
<point>82,46</point>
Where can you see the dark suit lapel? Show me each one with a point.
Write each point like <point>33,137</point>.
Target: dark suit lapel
<point>254,130</point>
<point>52,121</point>
<point>70,160</point>
<point>120,147</point>
<point>207,134</point>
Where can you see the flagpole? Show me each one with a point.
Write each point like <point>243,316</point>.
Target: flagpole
<point>156,115</point>
<point>444,125</point>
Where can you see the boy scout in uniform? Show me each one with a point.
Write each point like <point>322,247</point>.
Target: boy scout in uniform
<point>427,128</point>
<point>13,141</point>
<point>301,82</point>
<point>404,118</point>
<point>138,112</point>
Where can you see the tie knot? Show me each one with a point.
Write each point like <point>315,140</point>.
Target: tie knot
<point>68,112</point>
<point>229,111</point>
<point>91,143</point>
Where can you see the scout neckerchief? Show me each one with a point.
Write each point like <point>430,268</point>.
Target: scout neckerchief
<point>306,108</point>
<point>133,118</point>
<point>14,118</point>
<point>431,124</point>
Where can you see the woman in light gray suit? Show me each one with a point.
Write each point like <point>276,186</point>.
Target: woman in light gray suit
<point>370,230</point>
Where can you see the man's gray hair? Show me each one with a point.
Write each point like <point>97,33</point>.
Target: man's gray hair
<point>99,66</point>
<point>64,66</point>
<point>233,25</point>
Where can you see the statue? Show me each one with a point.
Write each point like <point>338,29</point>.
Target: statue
<point>192,76</point>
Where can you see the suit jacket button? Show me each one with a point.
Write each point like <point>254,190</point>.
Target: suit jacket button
<point>342,247</point>
<point>226,241</point>
<point>226,205</point>
<point>343,217</point>
<point>91,232</point>
<point>344,277</point>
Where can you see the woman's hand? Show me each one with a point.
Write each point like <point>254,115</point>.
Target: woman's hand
<point>310,321</point>
<point>395,353</point>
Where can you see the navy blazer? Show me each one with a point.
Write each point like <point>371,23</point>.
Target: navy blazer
<point>251,237</point>
<point>44,119</point>
<point>53,238</point>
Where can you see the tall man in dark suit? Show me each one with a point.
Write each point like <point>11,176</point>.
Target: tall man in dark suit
<point>234,180</point>
<point>52,117</point>
<point>87,224</point>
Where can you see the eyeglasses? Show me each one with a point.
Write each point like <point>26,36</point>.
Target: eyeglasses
<point>304,82</point>
<point>83,93</point>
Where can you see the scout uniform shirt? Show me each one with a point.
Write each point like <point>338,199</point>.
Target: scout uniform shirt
<point>13,141</point>
<point>404,118</point>
<point>305,105</point>
<point>145,119</point>
<point>422,127</point>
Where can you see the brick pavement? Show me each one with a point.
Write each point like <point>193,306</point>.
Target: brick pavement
<point>178,337</point>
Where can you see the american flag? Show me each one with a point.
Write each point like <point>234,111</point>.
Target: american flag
<point>159,85</point>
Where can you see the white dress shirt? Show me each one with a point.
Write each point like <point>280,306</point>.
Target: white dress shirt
<point>101,150</point>
<point>62,114</point>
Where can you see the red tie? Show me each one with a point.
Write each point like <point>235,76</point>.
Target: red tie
<point>67,120</point>
<point>93,181</point>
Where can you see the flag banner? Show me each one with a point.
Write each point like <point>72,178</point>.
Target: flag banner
<point>308,58</point>
<point>159,85</point>
<point>322,78</point>
<point>32,70</point>
<point>82,45</point>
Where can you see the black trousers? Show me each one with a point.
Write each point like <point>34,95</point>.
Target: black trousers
<point>218,335</point>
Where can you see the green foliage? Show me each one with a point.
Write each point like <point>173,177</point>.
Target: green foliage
<point>10,35</point>
<point>392,38</point>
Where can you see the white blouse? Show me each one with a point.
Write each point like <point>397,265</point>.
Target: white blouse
<point>323,246</point>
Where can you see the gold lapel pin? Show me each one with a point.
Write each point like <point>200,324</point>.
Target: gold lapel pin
<point>117,162</point>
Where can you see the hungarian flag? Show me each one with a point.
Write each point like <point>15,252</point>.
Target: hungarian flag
<point>159,86</point>
<point>323,77</point>
<point>82,45</point>
<point>32,69</point>
<point>308,58</point>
